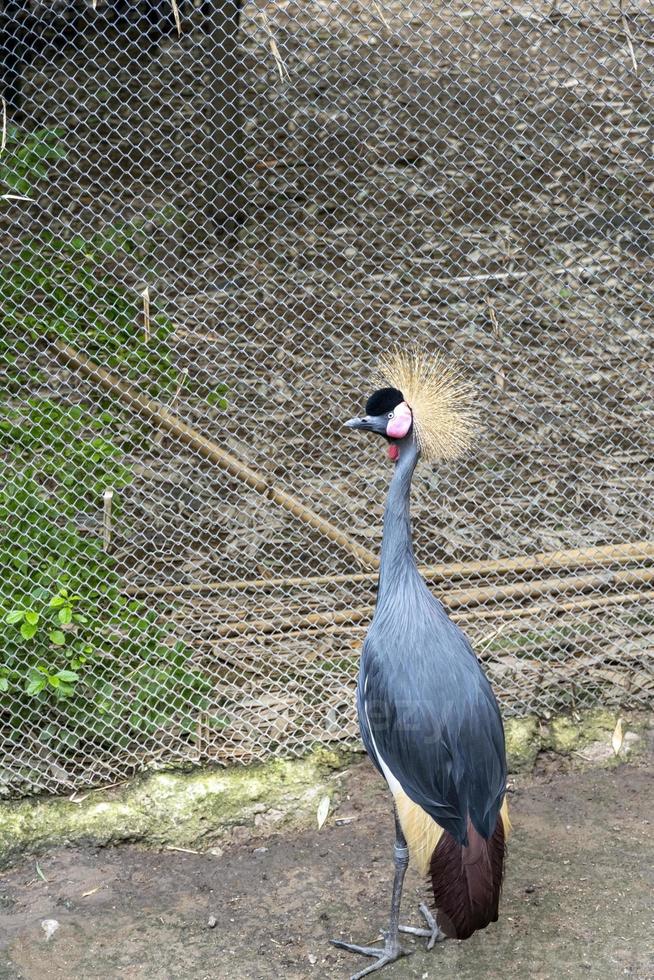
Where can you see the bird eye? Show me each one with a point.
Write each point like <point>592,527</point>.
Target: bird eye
<point>391,415</point>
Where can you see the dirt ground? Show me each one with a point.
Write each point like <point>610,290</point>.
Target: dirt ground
<point>577,899</point>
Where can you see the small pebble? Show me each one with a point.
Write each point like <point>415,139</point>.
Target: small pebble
<point>260,850</point>
<point>49,927</point>
<point>212,922</point>
<point>530,888</point>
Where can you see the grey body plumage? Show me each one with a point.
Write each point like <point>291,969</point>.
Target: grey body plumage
<point>427,714</point>
<point>425,705</point>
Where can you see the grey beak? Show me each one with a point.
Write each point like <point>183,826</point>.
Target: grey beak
<point>357,423</point>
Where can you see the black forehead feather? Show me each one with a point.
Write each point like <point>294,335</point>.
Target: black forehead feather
<point>383,401</point>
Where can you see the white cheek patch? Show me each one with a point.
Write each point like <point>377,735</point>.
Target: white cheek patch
<point>400,424</point>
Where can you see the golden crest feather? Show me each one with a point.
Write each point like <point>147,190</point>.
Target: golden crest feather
<point>444,418</point>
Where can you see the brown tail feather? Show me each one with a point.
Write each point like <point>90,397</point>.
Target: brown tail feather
<point>467,881</point>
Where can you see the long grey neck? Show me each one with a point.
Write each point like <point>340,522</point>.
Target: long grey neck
<point>397,564</point>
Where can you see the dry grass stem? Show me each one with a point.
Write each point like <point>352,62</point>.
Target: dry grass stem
<point>40,873</point>
<point>489,639</point>
<point>106,519</point>
<point>481,277</point>
<point>611,31</point>
<point>281,67</point>
<point>146,314</point>
<point>380,15</point>
<point>272,43</point>
<point>183,378</point>
<point>178,22</point>
<point>630,44</point>
<point>493,318</point>
<point>3,137</point>
<point>500,380</point>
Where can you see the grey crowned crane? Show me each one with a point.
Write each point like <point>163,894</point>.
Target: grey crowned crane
<point>428,717</point>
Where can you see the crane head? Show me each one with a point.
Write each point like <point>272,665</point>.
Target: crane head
<point>425,399</point>
<point>388,415</point>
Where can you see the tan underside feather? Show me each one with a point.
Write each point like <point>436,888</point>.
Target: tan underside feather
<point>422,833</point>
<point>504,813</point>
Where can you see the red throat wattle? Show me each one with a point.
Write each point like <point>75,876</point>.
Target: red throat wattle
<point>393,452</point>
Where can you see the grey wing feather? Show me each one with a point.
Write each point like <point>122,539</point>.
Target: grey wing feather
<point>435,722</point>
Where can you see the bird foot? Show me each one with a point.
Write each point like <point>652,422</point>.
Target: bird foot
<point>434,934</point>
<point>388,954</point>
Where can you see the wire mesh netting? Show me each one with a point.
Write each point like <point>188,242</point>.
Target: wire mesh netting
<point>214,217</point>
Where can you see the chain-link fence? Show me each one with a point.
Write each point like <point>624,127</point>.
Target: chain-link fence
<point>207,238</point>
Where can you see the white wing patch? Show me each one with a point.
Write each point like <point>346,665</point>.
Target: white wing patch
<point>421,831</point>
<point>394,784</point>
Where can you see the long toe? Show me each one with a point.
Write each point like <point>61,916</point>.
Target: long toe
<point>436,933</point>
<point>381,962</point>
<point>433,934</point>
<point>415,931</point>
<point>384,956</point>
<point>363,950</point>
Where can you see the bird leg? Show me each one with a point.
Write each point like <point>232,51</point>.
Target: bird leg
<point>434,934</point>
<point>391,950</point>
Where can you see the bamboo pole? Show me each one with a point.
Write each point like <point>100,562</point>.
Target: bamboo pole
<point>452,600</point>
<point>522,590</point>
<point>166,419</point>
<point>575,605</point>
<point>522,612</point>
<point>248,654</point>
<point>570,558</point>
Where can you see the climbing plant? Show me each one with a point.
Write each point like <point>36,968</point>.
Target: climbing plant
<point>67,288</point>
<point>27,157</point>
<point>72,644</point>
<point>77,655</point>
